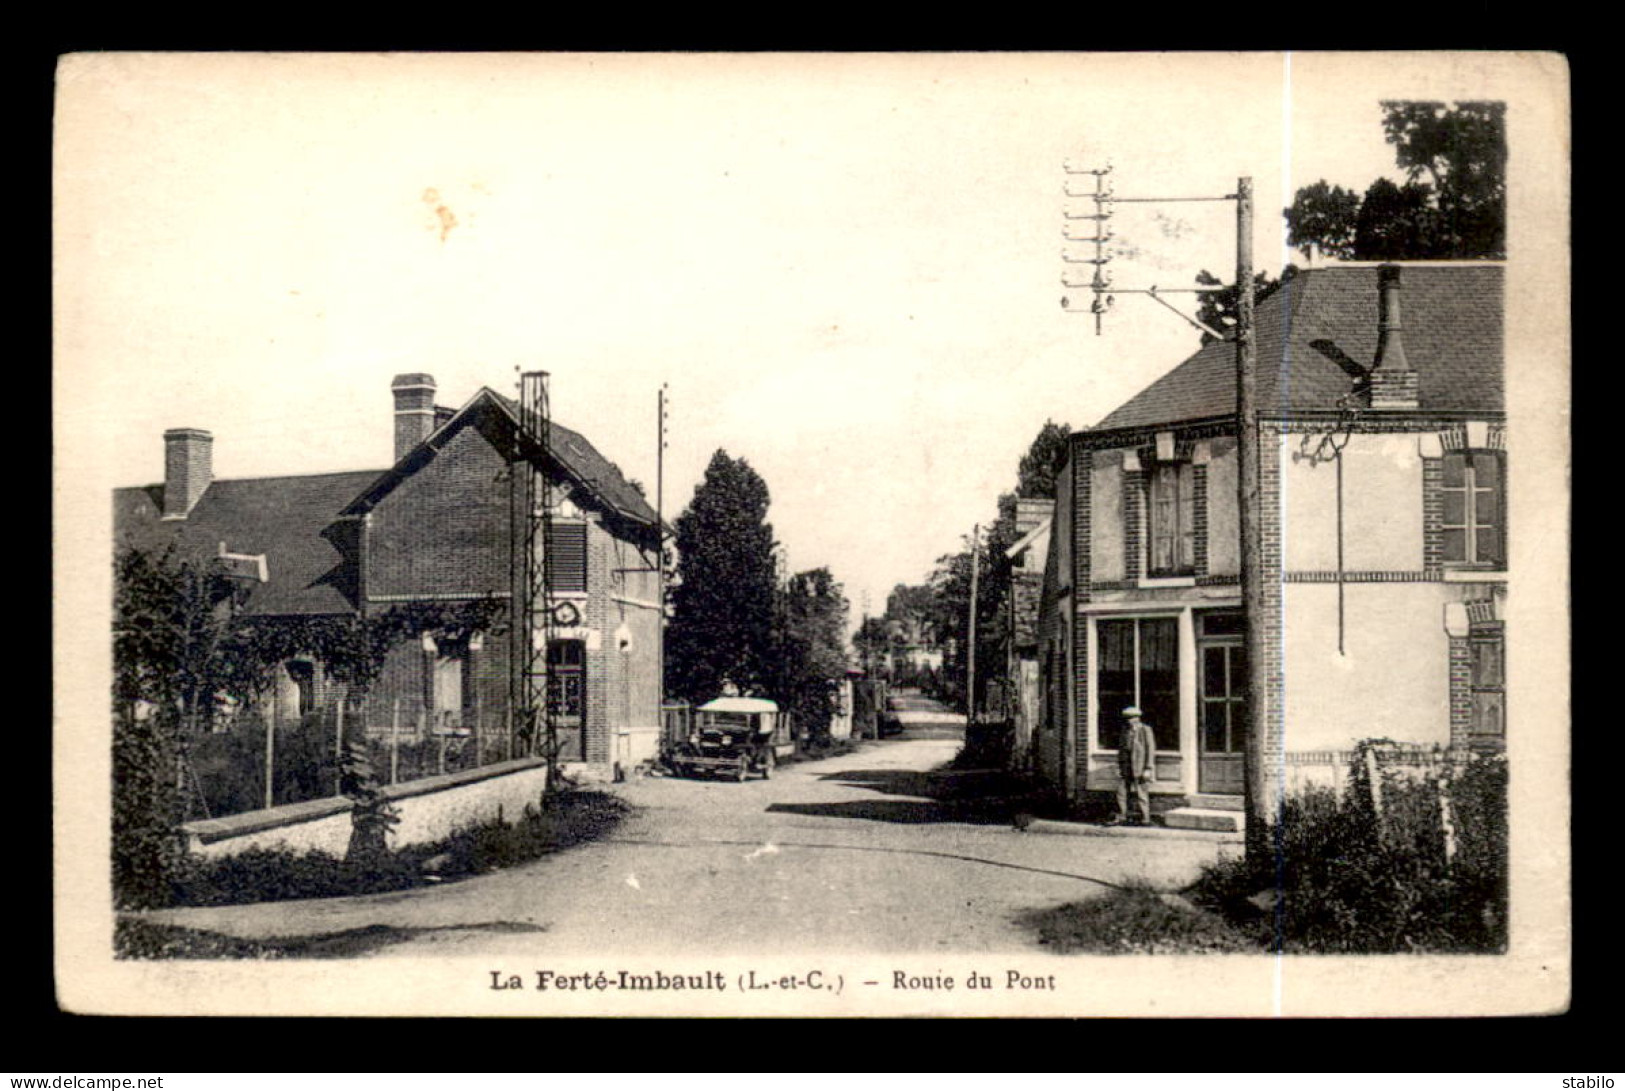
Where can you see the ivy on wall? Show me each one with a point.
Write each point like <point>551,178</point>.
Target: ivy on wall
<point>180,643</point>
<point>180,638</point>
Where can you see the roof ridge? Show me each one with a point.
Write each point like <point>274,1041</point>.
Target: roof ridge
<point>262,477</point>
<point>289,477</point>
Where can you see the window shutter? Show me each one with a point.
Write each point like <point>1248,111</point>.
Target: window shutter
<point>567,556</point>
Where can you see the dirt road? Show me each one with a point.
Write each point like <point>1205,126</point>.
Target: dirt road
<point>880,850</point>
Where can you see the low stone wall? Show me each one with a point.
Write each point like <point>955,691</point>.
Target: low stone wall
<point>430,809</point>
<point>635,746</point>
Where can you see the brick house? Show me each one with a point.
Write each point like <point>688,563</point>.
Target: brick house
<point>439,526</point>
<point>1027,556</point>
<point>1384,539</point>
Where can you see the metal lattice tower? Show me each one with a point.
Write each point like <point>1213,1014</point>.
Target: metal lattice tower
<point>537,502</point>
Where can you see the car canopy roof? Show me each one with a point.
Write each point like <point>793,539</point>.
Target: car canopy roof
<point>739,704</point>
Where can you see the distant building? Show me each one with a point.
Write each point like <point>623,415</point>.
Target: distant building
<point>1034,518</point>
<point>1384,535</point>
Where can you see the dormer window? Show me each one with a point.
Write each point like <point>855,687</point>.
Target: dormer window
<point>1473,524</point>
<point>1172,518</point>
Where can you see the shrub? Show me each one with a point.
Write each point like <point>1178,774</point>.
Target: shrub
<point>1347,880</point>
<point>230,765</point>
<point>147,849</point>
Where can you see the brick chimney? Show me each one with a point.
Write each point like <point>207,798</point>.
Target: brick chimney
<point>1394,384</point>
<point>188,469</point>
<point>414,410</point>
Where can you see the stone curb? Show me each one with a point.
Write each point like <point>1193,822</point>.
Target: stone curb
<point>1150,833</point>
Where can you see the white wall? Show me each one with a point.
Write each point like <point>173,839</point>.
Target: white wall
<point>1382,506</point>
<point>425,817</point>
<point>1393,680</point>
<point>1106,517</point>
<point>1223,514</point>
<point>1382,503</point>
<point>1308,512</point>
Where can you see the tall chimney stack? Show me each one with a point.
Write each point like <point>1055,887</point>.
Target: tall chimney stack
<point>188,469</point>
<point>1394,384</point>
<point>414,410</point>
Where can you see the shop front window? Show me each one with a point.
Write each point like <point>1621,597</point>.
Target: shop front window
<point>1138,666</point>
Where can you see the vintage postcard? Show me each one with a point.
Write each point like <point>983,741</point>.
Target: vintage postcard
<point>914,534</point>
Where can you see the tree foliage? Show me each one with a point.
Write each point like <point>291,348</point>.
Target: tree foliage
<point>1451,206</point>
<point>941,607</point>
<point>812,650</point>
<point>1035,473</point>
<point>180,645</point>
<point>873,643</point>
<point>723,600</point>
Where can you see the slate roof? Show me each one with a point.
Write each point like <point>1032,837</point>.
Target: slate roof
<point>583,461</point>
<point>1451,316</point>
<point>298,522</point>
<point>289,519</point>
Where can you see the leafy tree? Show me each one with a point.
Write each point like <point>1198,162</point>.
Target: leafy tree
<point>873,643</point>
<point>1035,474</point>
<point>170,617</point>
<point>1395,223</point>
<point>1453,202</point>
<point>812,650</point>
<point>1326,216</point>
<point>948,612</point>
<point>179,645</point>
<point>171,620</point>
<point>723,599</point>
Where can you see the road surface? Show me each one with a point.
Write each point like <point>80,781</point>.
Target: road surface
<point>881,850</point>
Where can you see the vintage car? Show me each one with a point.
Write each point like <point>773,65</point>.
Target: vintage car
<point>734,736</point>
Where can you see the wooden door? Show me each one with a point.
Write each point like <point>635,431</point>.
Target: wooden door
<point>1222,731</point>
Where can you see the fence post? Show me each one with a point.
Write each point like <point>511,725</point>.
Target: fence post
<point>479,733</point>
<point>395,741</point>
<point>1447,820</point>
<point>338,747</point>
<point>1373,777</point>
<point>270,744</point>
<point>418,734</point>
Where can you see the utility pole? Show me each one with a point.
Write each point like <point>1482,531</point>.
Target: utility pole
<point>970,641</point>
<point>660,552</point>
<point>1261,816</point>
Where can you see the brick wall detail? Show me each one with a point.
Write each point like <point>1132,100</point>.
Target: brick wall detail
<point>1199,519</point>
<point>1133,507</point>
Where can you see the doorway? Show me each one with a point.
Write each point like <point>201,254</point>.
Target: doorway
<point>1221,659</point>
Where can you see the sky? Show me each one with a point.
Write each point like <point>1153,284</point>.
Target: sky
<point>845,268</point>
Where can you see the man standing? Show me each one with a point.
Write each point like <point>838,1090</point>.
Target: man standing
<point>1136,767</point>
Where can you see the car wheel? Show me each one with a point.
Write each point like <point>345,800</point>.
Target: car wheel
<point>767,766</point>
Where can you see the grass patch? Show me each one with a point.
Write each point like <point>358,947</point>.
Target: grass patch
<point>134,938</point>
<point>141,939</point>
<point>1135,920</point>
<point>268,875</point>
